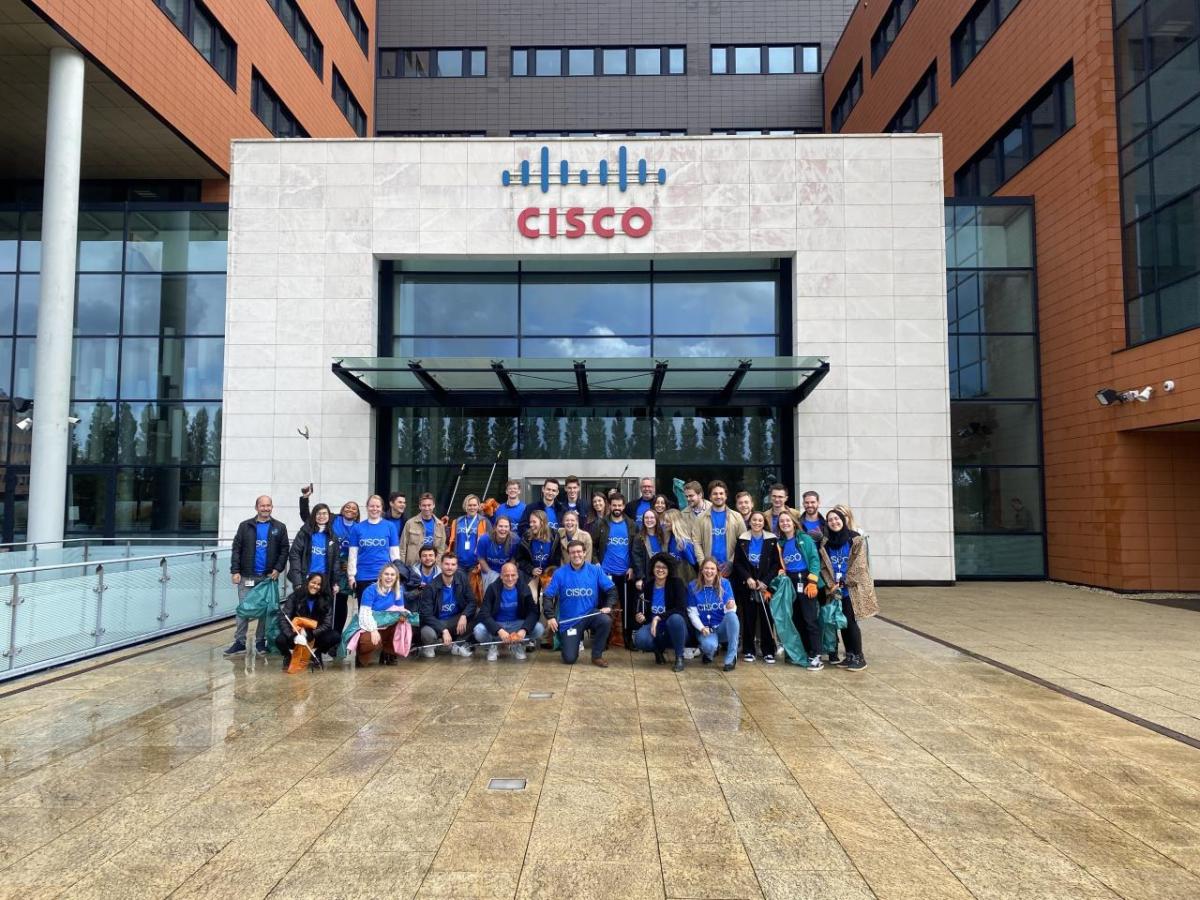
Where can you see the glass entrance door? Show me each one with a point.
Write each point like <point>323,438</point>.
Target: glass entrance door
<point>594,475</point>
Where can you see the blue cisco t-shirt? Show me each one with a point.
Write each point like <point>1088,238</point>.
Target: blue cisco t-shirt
<point>793,558</point>
<point>507,610</point>
<point>316,564</point>
<point>616,551</point>
<point>373,540</point>
<point>578,591</point>
<point>710,602</point>
<point>718,536</point>
<point>658,601</point>
<point>512,513</point>
<point>754,551</point>
<point>261,530</point>
<point>466,541</point>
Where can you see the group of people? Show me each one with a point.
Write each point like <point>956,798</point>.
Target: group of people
<point>651,574</point>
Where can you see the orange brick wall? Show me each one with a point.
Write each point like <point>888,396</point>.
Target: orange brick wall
<point>142,48</point>
<point>1123,503</point>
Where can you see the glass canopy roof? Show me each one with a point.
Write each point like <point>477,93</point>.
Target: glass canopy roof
<point>528,382</point>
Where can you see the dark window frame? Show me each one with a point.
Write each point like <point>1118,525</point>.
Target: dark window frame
<point>302,33</point>
<point>764,58</point>
<point>357,24</point>
<point>995,13</point>
<point>847,99</point>
<point>348,104</point>
<point>219,37</point>
<point>598,51</point>
<point>393,59</point>
<point>260,90</point>
<point>898,13</point>
<point>910,106</point>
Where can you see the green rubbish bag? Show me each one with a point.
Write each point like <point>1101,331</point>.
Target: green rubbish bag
<point>832,621</point>
<point>783,599</point>
<point>262,602</point>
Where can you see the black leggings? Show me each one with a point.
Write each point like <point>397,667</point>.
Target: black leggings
<point>754,619</point>
<point>851,636</point>
<point>806,615</point>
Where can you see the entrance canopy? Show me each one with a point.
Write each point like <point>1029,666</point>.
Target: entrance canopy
<point>637,381</point>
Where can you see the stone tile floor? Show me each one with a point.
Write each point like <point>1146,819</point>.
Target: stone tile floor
<point>929,775</point>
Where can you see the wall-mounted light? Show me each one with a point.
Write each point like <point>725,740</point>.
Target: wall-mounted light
<point>1110,397</point>
<point>25,424</point>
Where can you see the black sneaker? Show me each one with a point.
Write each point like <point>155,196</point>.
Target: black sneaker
<point>856,663</point>
<point>729,666</point>
<point>769,659</point>
<point>706,660</point>
<point>237,648</point>
<point>678,667</point>
<point>843,662</point>
<point>833,660</point>
<point>260,647</point>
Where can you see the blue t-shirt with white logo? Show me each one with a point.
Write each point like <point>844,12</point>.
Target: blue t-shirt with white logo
<point>754,551</point>
<point>540,551</point>
<point>658,601</point>
<point>341,530</point>
<point>579,591</point>
<point>466,541</point>
<point>616,551</point>
<point>448,607</point>
<point>719,547</point>
<point>507,610</point>
<point>317,562</point>
<point>512,513</point>
<point>709,602</point>
<point>374,541</point>
<point>429,525</point>
<point>839,558</point>
<point>261,530</point>
<point>495,553</point>
<point>552,516</point>
<point>813,527</point>
<point>379,602</point>
<point>793,557</point>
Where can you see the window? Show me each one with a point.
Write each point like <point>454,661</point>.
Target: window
<point>350,107</point>
<point>847,99</point>
<point>1041,122</point>
<point>553,62</point>
<point>975,31</point>
<point>295,23</point>
<point>538,133</point>
<point>430,134</point>
<point>889,28</point>
<point>917,106</point>
<point>437,62</point>
<point>271,111</point>
<point>768,131</point>
<point>206,34</point>
<point>771,59</point>
<point>358,25</point>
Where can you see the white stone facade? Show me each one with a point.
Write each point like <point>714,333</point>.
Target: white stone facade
<point>862,218</point>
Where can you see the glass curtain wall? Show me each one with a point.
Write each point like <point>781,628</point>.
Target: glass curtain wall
<point>148,353</point>
<point>584,310</point>
<point>995,410</point>
<point>1158,117</point>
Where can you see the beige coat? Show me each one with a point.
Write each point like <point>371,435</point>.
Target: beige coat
<point>858,578</point>
<point>412,538</point>
<point>701,532</point>
<point>580,535</point>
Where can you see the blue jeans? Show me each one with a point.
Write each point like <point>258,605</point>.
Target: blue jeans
<point>672,631</point>
<point>483,636</point>
<point>599,625</point>
<point>725,633</point>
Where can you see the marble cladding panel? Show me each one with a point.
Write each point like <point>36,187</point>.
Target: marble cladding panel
<point>861,218</point>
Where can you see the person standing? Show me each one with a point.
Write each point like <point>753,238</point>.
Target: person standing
<point>755,565</point>
<point>570,500</point>
<point>597,512</point>
<point>373,545</point>
<point>579,598</point>
<point>712,611</point>
<point>537,552</point>
<point>744,504</point>
<point>316,551</point>
<point>847,574</point>
<point>571,531</point>
<point>719,529</point>
<point>612,539</point>
<point>679,544</point>
<point>448,610</point>
<point>513,507</point>
<point>646,489</point>
<point>778,496</point>
<point>260,550</point>
<point>465,533</point>
<point>308,601</point>
<point>423,530</point>
<point>663,618</point>
<point>802,565</point>
<point>650,540</point>
<point>550,489</point>
<point>508,614</point>
<point>397,511</point>
<point>812,522</point>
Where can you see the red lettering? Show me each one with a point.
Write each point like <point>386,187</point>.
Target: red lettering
<point>602,215</point>
<point>576,227</point>
<point>636,212</point>
<point>523,226</point>
<point>553,222</point>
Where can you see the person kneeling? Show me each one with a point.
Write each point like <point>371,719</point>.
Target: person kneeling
<point>310,601</point>
<point>712,612</point>
<point>580,598</point>
<point>383,622</point>
<point>667,596</point>
<point>509,615</point>
<point>448,608</point>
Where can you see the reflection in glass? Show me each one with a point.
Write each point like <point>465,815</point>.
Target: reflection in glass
<point>94,371</point>
<point>1004,499</point>
<point>171,369</point>
<point>9,237</point>
<point>683,435</point>
<point>581,62</point>
<point>94,437</point>
<point>492,348</point>
<point>167,500</point>
<point>715,305</point>
<point>31,242</point>
<point>449,63</point>
<point>994,434</point>
<point>718,60</point>
<point>25,353</point>
<point>169,433</point>
<point>444,436</point>
<point>747,60</point>
<point>585,305</point>
<point>101,241</point>
<point>597,433</point>
<point>87,501</point>
<point>185,241</point>
<point>8,302</point>
<point>996,366</point>
<point>29,290</point>
<point>708,348</point>
<point>615,61</point>
<point>456,305</point>
<point>98,304</point>
<point>990,301</point>
<point>547,62</point>
<point>174,304</point>
<point>999,556</point>
<point>582,348</point>
<point>647,61</point>
<point>781,60</point>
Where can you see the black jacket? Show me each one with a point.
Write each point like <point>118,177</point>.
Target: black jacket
<point>241,556</point>
<point>431,598</point>
<point>640,556</point>
<point>296,604</point>
<point>769,564</point>
<point>524,555</point>
<point>533,507</point>
<point>527,608</point>
<point>676,597</point>
<point>600,537</point>
<point>300,557</point>
<point>581,508</point>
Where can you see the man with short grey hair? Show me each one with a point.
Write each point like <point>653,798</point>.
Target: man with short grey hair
<point>260,550</point>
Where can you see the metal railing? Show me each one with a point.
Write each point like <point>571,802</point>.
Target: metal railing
<point>52,614</point>
<point>25,555</point>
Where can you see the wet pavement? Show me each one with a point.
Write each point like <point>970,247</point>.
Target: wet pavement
<point>932,774</point>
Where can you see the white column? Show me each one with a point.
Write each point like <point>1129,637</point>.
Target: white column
<point>56,305</point>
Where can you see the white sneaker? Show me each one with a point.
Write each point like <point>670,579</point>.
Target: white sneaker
<point>691,652</point>
<point>428,652</point>
<point>815,664</point>
<point>457,649</point>
<point>493,653</point>
<point>518,651</point>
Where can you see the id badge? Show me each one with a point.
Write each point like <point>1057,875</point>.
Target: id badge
<point>467,544</point>
<point>248,582</point>
<point>571,632</point>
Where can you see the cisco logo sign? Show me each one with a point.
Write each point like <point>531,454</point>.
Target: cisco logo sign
<point>575,221</point>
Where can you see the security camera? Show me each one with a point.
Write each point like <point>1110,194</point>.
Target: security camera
<point>1144,395</point>
<point>1168,386</point>
<point>25,424</point>
<point>74,420</point>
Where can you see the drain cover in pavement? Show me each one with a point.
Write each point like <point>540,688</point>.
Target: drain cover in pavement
<point>506,784</point>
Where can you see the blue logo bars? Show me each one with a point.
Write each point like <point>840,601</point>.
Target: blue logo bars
<point>585,177</point>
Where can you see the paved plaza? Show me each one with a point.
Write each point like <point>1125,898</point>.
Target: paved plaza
<point>932,774</point>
